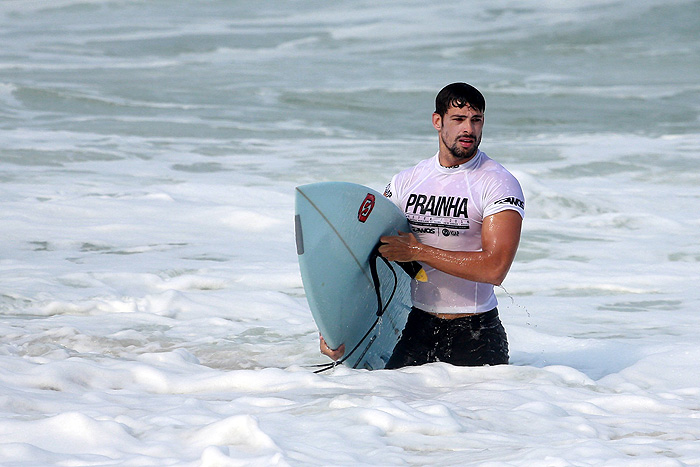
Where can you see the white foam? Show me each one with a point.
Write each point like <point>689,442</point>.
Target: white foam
<point>152,308</point>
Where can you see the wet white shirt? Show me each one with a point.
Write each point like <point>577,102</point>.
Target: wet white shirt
<point>446,208</point>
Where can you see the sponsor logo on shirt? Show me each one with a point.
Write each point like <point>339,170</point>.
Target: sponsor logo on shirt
<point>438,206</point>
<point>387,191</point>
<point>437,215</point>
<point>423,230</point>
<point>512,200</point>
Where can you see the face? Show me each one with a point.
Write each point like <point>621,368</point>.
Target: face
<point>460,133</point>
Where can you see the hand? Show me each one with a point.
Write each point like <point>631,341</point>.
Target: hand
<point>333,354</point>
<point>404,247</point>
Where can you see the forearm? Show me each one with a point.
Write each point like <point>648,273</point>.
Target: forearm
<point>477,266</point>
<point>500,238</point>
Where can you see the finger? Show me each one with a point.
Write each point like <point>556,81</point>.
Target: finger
<point>324,345</point>
<point>334,354</point>
<point>339,352</point>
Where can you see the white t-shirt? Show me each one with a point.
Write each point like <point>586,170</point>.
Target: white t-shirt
<point>446,208</point>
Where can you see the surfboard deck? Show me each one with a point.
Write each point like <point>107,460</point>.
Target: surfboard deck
<point>337,226</point>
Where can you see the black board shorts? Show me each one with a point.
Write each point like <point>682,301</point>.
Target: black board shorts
<point>470,341</point>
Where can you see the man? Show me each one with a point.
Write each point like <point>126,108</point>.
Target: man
<point>465,211</point>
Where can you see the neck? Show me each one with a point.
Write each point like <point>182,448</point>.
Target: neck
<point>446,159</point>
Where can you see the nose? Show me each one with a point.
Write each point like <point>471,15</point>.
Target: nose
<point>467,127</point>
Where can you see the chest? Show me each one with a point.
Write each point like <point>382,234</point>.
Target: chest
<point>444,212</point>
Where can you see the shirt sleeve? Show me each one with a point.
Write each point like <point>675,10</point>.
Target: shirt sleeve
<point>504,192</point>
<point>391,192</point>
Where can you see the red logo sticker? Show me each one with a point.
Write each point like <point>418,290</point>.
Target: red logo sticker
<point>366,208</point>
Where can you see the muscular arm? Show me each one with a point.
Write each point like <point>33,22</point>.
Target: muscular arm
<point>500,235</point>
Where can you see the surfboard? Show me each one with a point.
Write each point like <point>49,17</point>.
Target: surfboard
<point>337,228</point>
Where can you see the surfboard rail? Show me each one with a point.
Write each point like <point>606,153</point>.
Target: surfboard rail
<point>337,228</point>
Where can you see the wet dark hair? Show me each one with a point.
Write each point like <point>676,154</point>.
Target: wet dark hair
<point>459,95</point>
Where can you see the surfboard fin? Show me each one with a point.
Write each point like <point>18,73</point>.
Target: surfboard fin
<point>415,270</point>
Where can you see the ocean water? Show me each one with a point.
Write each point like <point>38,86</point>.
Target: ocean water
<point>151,307</point>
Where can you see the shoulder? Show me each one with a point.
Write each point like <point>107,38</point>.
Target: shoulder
<point>420,167</point>
<point>401,182</point>
<point>500,189</point>
<point>490,165</point>
<point>495,172</point>
<point>418,171</point>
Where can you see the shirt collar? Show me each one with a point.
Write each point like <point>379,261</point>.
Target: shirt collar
<point>469,165</point>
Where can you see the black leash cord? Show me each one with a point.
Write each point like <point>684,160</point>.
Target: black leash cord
<point>380,308</point>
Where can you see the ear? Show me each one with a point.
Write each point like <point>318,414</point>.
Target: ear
<point>437,121</point>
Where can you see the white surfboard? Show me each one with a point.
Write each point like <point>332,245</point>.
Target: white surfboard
<point>337,227</point>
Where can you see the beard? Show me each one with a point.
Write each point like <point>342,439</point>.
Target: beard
<point>459,152</point>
